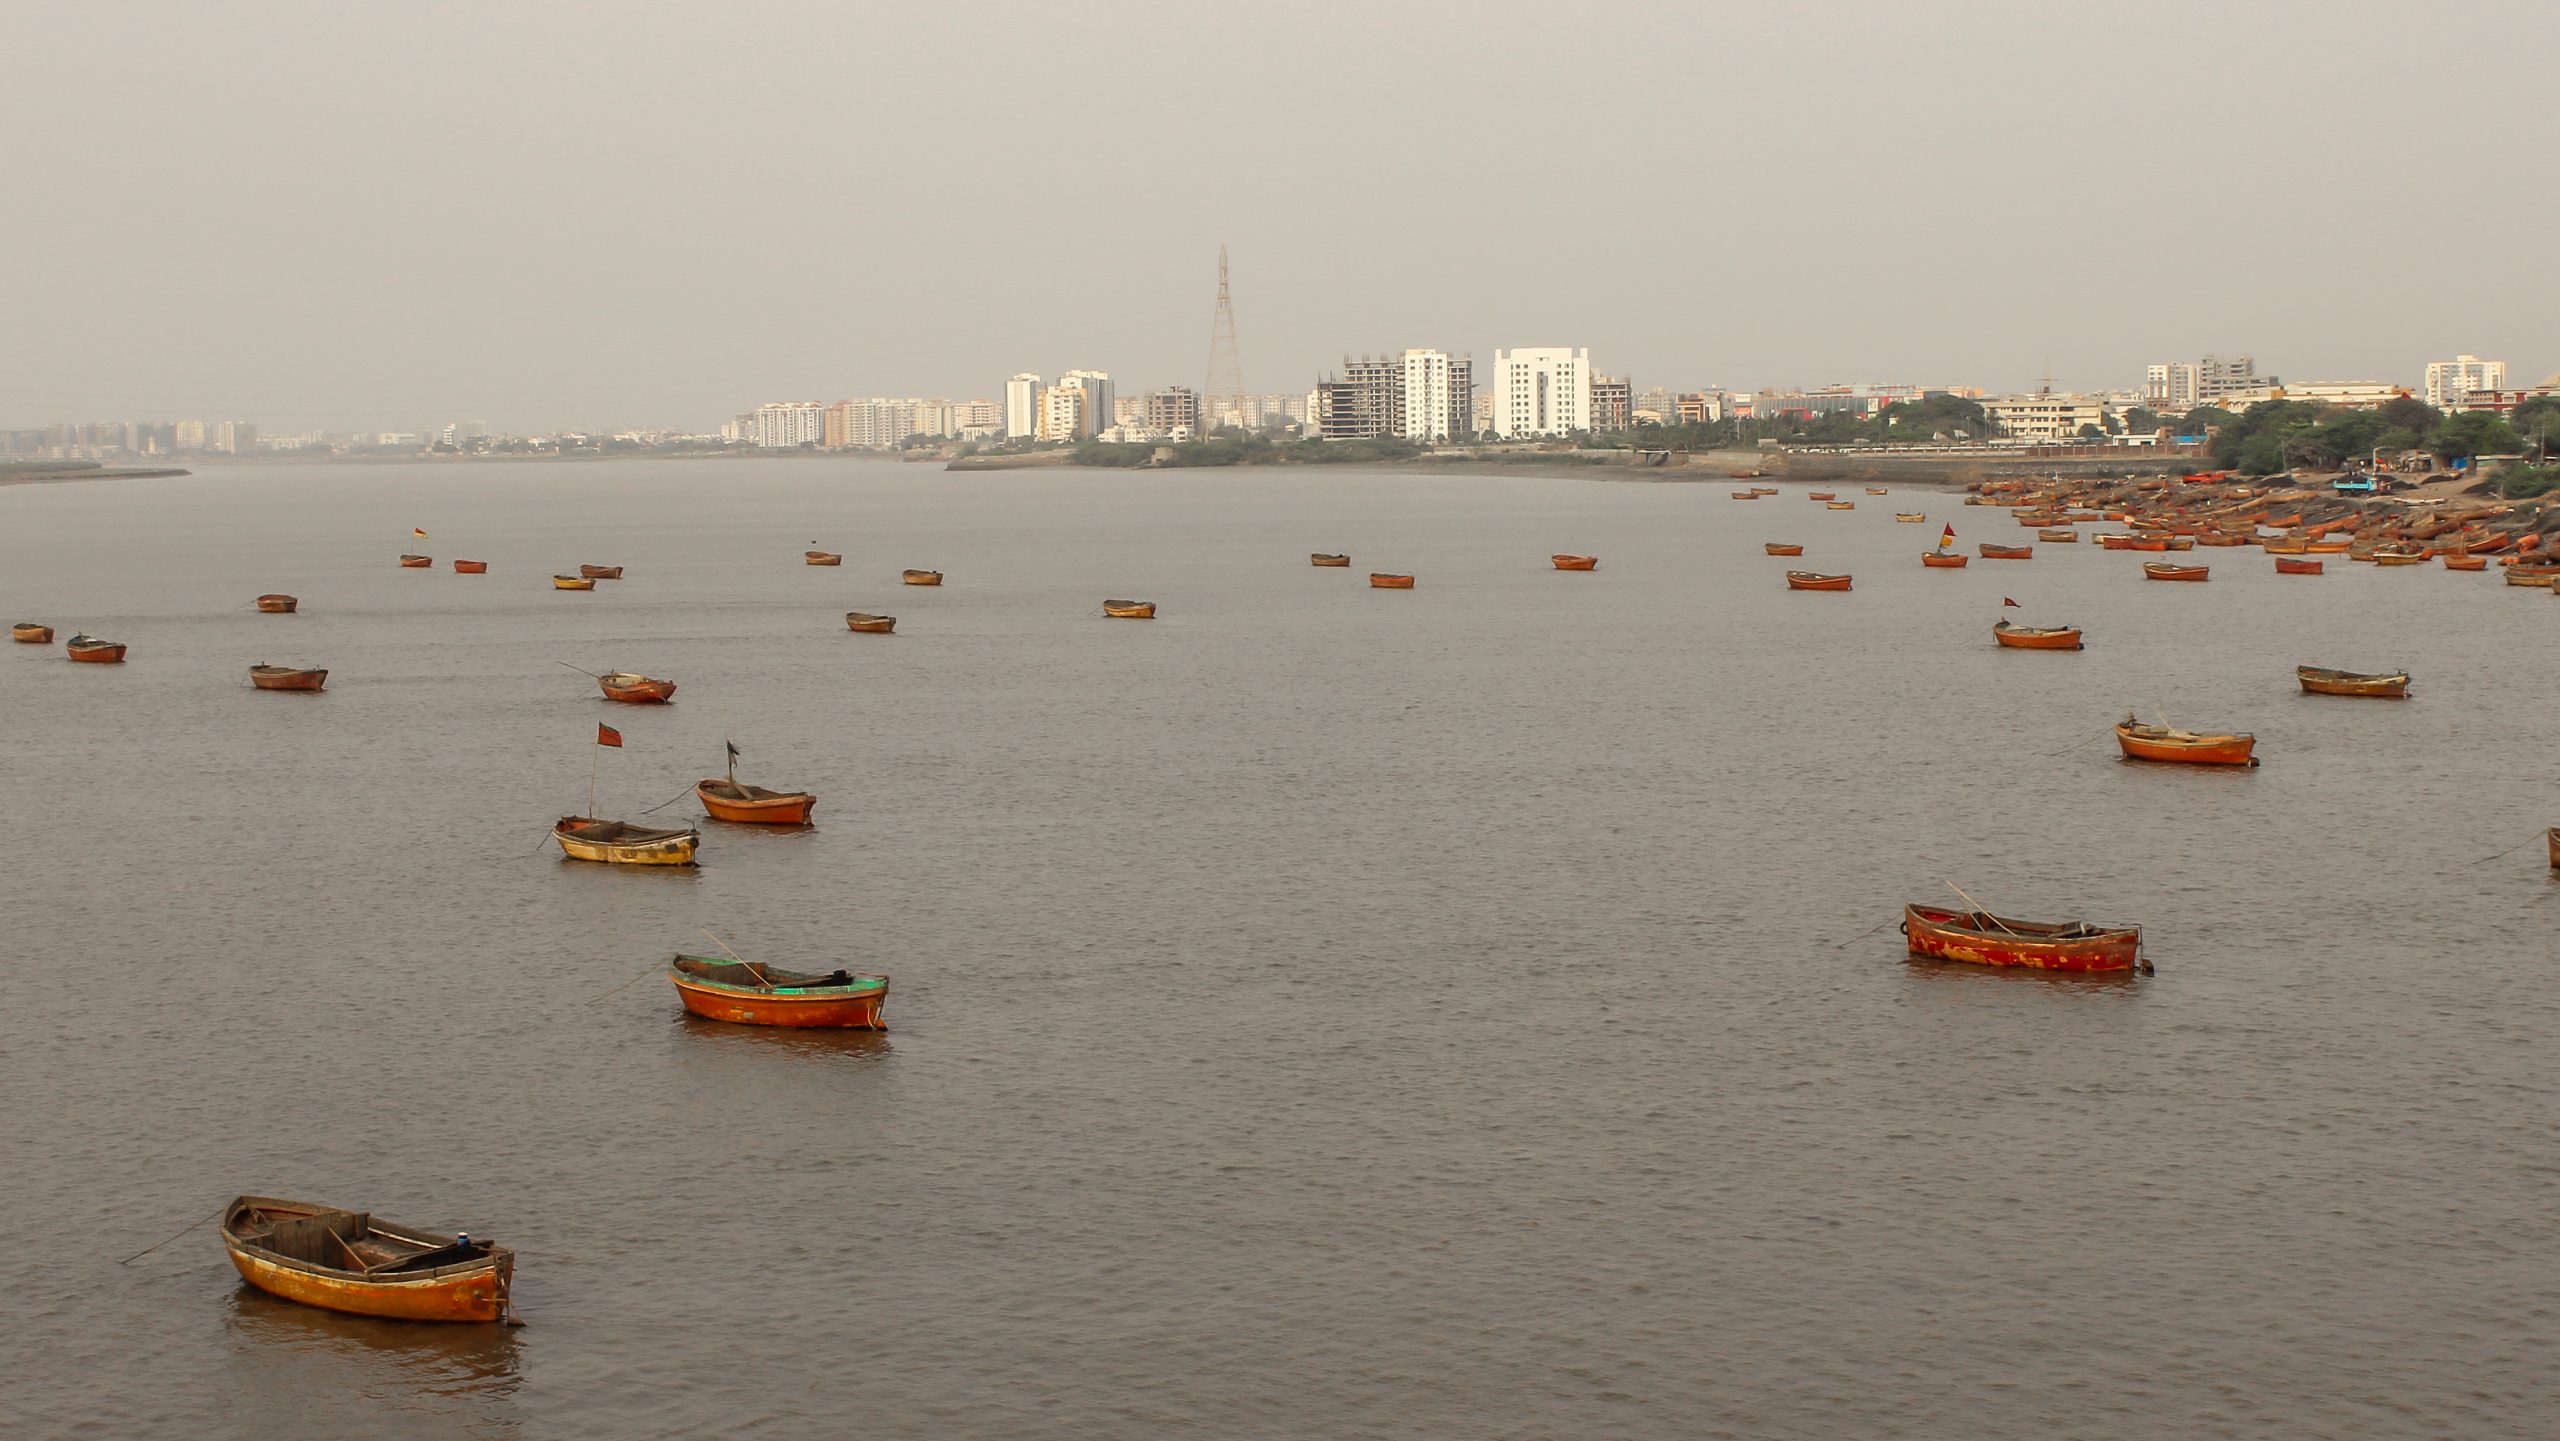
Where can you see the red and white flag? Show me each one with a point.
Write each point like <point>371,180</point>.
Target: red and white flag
<point>420,534</point>
<point>2004,600</point>
<point>608,736</point>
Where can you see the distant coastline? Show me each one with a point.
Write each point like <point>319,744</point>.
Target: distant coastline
<point>60,473</point>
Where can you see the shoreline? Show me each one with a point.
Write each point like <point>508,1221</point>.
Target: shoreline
<point>66,477</point>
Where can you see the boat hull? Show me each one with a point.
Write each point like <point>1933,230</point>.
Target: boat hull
<point>572,582</point>
<point>2213,750</point>
<point>1330,562</point>
<point>1391,582</point>
<point>822,557</point>
<point>1773,549</point>
<point>2019,637</point>
<point>31,634</point>
<point>2317,681</point>
<point>921,577</point>
<point>2154,570</point>
<point>865,623</point>
<point>1809,580</point>
<point>2006,552</point>
<point>2286,565</point>
<point>471,567</point>
<point>1129,609</point>
<point>1945,935</point>
<point>1576,562</point>
<point>282,678</point>
<point>747,1006</point>
<point>416,562</point>
<point>1944,560</point>
<point>473,1291</point>
<point>674,849</point>
<point>792,809</point>
<point>601,572</point>
<point>277,604</point>
<point>643,691</point>
<point>96,654</point>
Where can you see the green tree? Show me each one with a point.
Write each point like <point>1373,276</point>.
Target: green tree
<point>2257,455</point>
<point>2537,421</point>
<point>2410,414</point>
<point>2473,432</point>
<point>2142,420</point>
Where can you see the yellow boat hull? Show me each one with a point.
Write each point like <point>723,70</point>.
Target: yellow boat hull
<point>674,852</point>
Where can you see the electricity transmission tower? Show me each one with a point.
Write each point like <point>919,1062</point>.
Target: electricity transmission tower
<point>1223,396</point>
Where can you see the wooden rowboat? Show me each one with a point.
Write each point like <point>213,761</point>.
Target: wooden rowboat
<point>1821,495</point>
<point>1390,582</point>
<point>1983,939</point>
<point>1944,559</point>
<point>2551,838</point>
<point>2542,575</point>
<point>1129,609</point>
<point>1911,517</point>
<point>27,632</point>
<point>921,577</point>
<point>2168,743</point>
<point>2180,542</point>
<point>1773,548</point>
<point>573,582</point>
<point>94,651</point>
<point>348,1261</point>
<point>2037,637</point>
<point>2399,557</point>
<point>471,567</point>
<point>1329,562</point>
<point>633,689</point>
<point>2285,545</point>
<point>2327,547</point>
<point>2457,560</point>
<point>416,562</point>
<point>2006,552</point>
<point>2134,542</point>
<point>1763,490</point>
<point>2162,570</point>
<point>621,843</point>
<point>2320,681</point>
<point>277,604</point>
<point>719,989</point>
<point>734,800</point>
<point>1840,505</point>
<point>2287,565</point>
<point>1878,490</point>
<point>2063,536</point>
<point>1744,494</point>
<point>285,677</point>
<point>821,557</point>
<point>1814,580</point>
<point>601,572</point>
<point>1576,562</point>
<point>863,622</point>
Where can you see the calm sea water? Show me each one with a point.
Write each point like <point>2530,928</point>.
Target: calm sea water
<point>1319,1012</point>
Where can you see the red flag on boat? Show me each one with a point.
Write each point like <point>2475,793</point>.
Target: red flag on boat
<point>2004,600</point>
<point>608,736</point>
<point>420,534</point>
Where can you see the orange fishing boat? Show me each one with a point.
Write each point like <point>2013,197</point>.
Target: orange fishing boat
<point>2399,557</point>
<point>2541,575</point>
<point>734,800</point>
<point>2006,552</point>
<point>2037,637</point>
<point>471,567</point>
<point>601,572</point>
<point>277,604</point>
<point>2551,839</point>
<point>94,651</point>
<point>2134,542</point>
<point>1763,490</point>
<point>2287,565</point>
<point>1840,505</point>
<point>1984,939</point>
<point>2059,536</point>
<point>2168,743</point>
<point>2320,681</point>
<point>633,689</point>
<point>1944,559</point>
<point>1877,490</point>
<point>285,677</point>
<point>348,1261</point>
<point>2285,545</point>
<point>2180,542</point>
<point>1814,580</point>
<point>573,582</point>
<point>863,622</point>
<point>1390,582</point>
<point>2162,570</point>
<point>2327,547</point>
<point>1129,609</point>
<point>620,843</point>
<point>1576,562</point>
<point>719,989</point>
<point>2456,560</point>
<point>821,557</point>
<point>1744,494</point>
<point>1821,495</point>
<point>921,577</point>
<point>27,632</point>
<point>1774,548</point>
<point>1330,562</point>
<point>416,562</point>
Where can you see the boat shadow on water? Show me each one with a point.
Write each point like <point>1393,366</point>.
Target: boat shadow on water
<point>841,1043</point>
<point>1933,970</point>
<point>465,1368</point>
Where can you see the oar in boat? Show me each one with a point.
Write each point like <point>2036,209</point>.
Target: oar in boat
<point>761,982</point>
<point>1978,907</point>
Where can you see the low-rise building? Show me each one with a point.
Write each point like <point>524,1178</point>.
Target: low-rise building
<point>2045,415</point>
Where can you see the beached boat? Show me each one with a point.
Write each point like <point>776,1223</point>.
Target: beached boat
<point>633,689</point>
<point>2458,560</point>
<point>2037,637</point>
<point>27,632</point>
<point>2542,575</point>
<point>285,677</point>
<point>2321,681</point>
<point>2328,547</point>
<point>572,582</point>
<point>1944,559</point>
<point>2162,570</point>
<point>1774,548</point>
<point>1911,517</point>
<point>2221,540</point>
<point>2183,747</point>
<point>2285,545</point>
<point>2398,557</point>
<point>2288,565</point>
<point>1840,505</point>
<point>2059,535</point>
<point>1329,562</point>
<point>1763,490</point>
<point>1576,562</point>
<point>1744,494</point>
<point>1129,609</point>
<point>348,1261</point>
<point>821,557</point>
<point>621,843</point>
<point>734,800</point>
<point>277,604</point>
<point>94,651</point>
<point>416,562</point>
<point>1382,581</point>
<point>471,567</point>
<point>2179,542</point>
<point>1984,939</point>
<point>719,989</point>
<point>2134,542</point>
<point>863,622</point>
<point>1814,580</point>
<point>2006,552</point>
<point>921,577</point>
<point>601,572</point>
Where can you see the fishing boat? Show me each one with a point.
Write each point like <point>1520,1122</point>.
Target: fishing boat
<point>1911,517</point>
<point>2037,637</point>
<point>1763,490</point>
<point>1840,505</point>
<point>2327,547</point>
<point>921,577</point>
<point>2179,542</point>
<point>1814,580</point>
<point>2059,536</point>
<point>719,989</point>
<point>1984,939</point>
<point>1576,562</point>
<point>2399,557</point>
<point>1129,609</point>
<point>471,567</point>
<point>734,800</point>
<point>285,677</point>
<point>2541,575</point>
<point>1329,562</point>
<point>821,557</point>
<point>586,838</point>
<point>2551,839</point>
<point>2221,539</point>
<point>2459,560</point>
<point>1877,490</point>
<point>1744,494</point>
<point>2006,552</point>
<point>277,604</point>
<point>2285,545</point>
<point>1821,495</point>
<point>1944,559</point>
<point>631,689</point>
<point>2162,570</point>
<point>573,582</point>
<point>2321,681</point>
<point>1390,582</point>
<point>2134,542</point>
<point>1774,548</point>
<point>601,572</point>
<point>2182,747</point>
<point>2288,565</point>
<point>863,622</point>
<point>93,650</point>
<point>348,1261</point>
<point>27,632</point>
<point>416,562</point>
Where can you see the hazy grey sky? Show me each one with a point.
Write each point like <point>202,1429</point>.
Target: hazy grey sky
<point>322,213</point>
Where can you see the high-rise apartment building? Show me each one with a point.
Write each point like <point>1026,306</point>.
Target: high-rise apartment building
<point>1613,403</point>
<point>2450,382</point>
<point>782,424</point>
<point>1022,406</point>
<point>1541,390</point>
<point>1063,413</point>
<point>2182,385</point>
<point>1097,400</point>
<point>981,414</point>
<point>1173,406</point>
<point>1434,396</point>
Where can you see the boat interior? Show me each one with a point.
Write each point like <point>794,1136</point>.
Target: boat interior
<point>347,1241</point>
<point>737,973</point>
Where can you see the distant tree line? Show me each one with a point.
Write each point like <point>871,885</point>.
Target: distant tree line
<point>2281,435</point>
